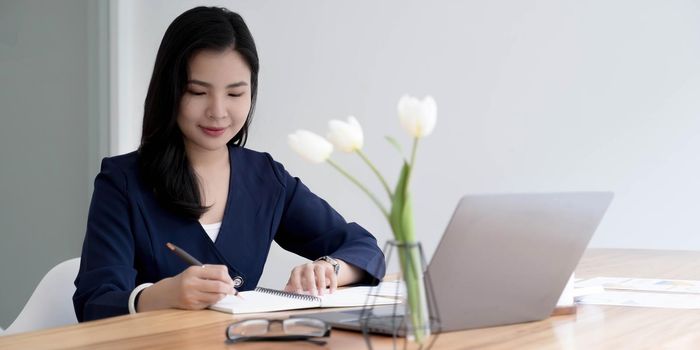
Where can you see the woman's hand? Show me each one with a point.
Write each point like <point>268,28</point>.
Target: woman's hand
<point>312,277</point>
<point>195,288</point>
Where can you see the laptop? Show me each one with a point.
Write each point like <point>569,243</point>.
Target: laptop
<point>503,259</point>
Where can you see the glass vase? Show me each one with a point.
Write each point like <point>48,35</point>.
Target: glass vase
<point>414,289</point>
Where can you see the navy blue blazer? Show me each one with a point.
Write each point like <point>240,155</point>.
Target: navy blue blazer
<point>127,230</point>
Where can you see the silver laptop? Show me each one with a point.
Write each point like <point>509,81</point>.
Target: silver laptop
<point>503,259</point>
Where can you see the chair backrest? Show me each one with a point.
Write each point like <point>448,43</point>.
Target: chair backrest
<point>51,304</point>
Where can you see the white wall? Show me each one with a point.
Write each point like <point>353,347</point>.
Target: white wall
<point>532,96</point>
<point>52,136</point>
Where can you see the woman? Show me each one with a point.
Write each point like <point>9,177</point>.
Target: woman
<point>192,183</point>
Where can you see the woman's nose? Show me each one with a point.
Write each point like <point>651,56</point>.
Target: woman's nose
<point>217,108</point>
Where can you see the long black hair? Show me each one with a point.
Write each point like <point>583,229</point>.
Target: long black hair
<point>162,159</point>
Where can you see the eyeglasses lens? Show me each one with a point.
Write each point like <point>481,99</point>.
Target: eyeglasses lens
<point>304,327</point>
<point>250,328</point>
<point>295,327</point>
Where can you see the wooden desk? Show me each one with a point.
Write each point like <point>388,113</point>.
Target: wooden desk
<point>593,327</point>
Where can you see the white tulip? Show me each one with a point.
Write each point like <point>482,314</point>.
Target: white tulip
<point>416,116</point>
<point>310,146</point>
<point>347,137</point>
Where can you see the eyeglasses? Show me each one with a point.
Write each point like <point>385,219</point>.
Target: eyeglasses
<point>278,330</point>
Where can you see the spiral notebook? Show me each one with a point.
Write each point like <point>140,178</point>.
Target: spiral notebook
<point>269,300</point>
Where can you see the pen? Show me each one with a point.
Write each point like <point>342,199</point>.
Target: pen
<point>184,255</point>
<point>189,259</point>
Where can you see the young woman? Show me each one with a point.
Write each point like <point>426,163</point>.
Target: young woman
<point>193,184</point>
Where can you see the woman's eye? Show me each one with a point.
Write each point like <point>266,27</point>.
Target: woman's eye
<point>236,95</point>
<point>196,93</point>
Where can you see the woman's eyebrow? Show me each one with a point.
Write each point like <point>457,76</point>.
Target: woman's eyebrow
<point>205,84</point>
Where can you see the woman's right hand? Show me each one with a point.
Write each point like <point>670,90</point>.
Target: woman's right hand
<point>195,288</point>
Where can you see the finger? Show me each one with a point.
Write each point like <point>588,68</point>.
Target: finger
<point>193,300</point>
<point>192,271</point>
<point>206,299</point>
<point>214,272</point>
<point>289,287</point>
<point>333,280</point>
<point>214,286</point>
<point>320,272</point>
<point>295,281</point>
<point>309,279</point>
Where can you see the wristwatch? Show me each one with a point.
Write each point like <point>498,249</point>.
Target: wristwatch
<point>328,259</point>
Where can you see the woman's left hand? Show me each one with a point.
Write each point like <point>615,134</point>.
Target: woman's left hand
<point>312,277</point>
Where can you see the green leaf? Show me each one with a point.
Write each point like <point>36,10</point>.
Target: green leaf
<point>407,227</point>
<point>395,144</point>
<point>396,217</point>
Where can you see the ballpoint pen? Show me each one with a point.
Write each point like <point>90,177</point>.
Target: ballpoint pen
<point>190,259</point>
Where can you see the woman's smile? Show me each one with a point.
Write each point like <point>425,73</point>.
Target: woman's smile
<point>212,131</point>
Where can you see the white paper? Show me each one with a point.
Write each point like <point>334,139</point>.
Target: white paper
<point>642,292</point>
<point>643,299</point>
<point>395,289</point>
<point>643,284</point>
<point>567,295</point>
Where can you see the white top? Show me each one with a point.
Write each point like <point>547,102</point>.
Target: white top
<point>212,230</point>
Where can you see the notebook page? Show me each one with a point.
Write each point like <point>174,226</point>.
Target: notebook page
<point>350,297</point>
<point>254,302</point>
<point>391,289</point>
<point>268,300</point>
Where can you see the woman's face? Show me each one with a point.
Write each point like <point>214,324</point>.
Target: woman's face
<point>217,99</point>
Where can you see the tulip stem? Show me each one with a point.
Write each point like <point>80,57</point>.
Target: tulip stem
<point>361,186</point>
<point>413,159</point>
<point>376,172</point>
<point>413,151</point>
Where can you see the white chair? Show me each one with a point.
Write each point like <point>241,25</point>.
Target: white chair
<point>51,304</point>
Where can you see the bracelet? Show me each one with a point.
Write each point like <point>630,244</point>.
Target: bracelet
<point>133,297</point>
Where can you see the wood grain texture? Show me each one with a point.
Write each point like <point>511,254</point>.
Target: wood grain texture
<point>592,327</point>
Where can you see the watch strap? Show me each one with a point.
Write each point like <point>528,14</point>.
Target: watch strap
<point>332,261</point>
